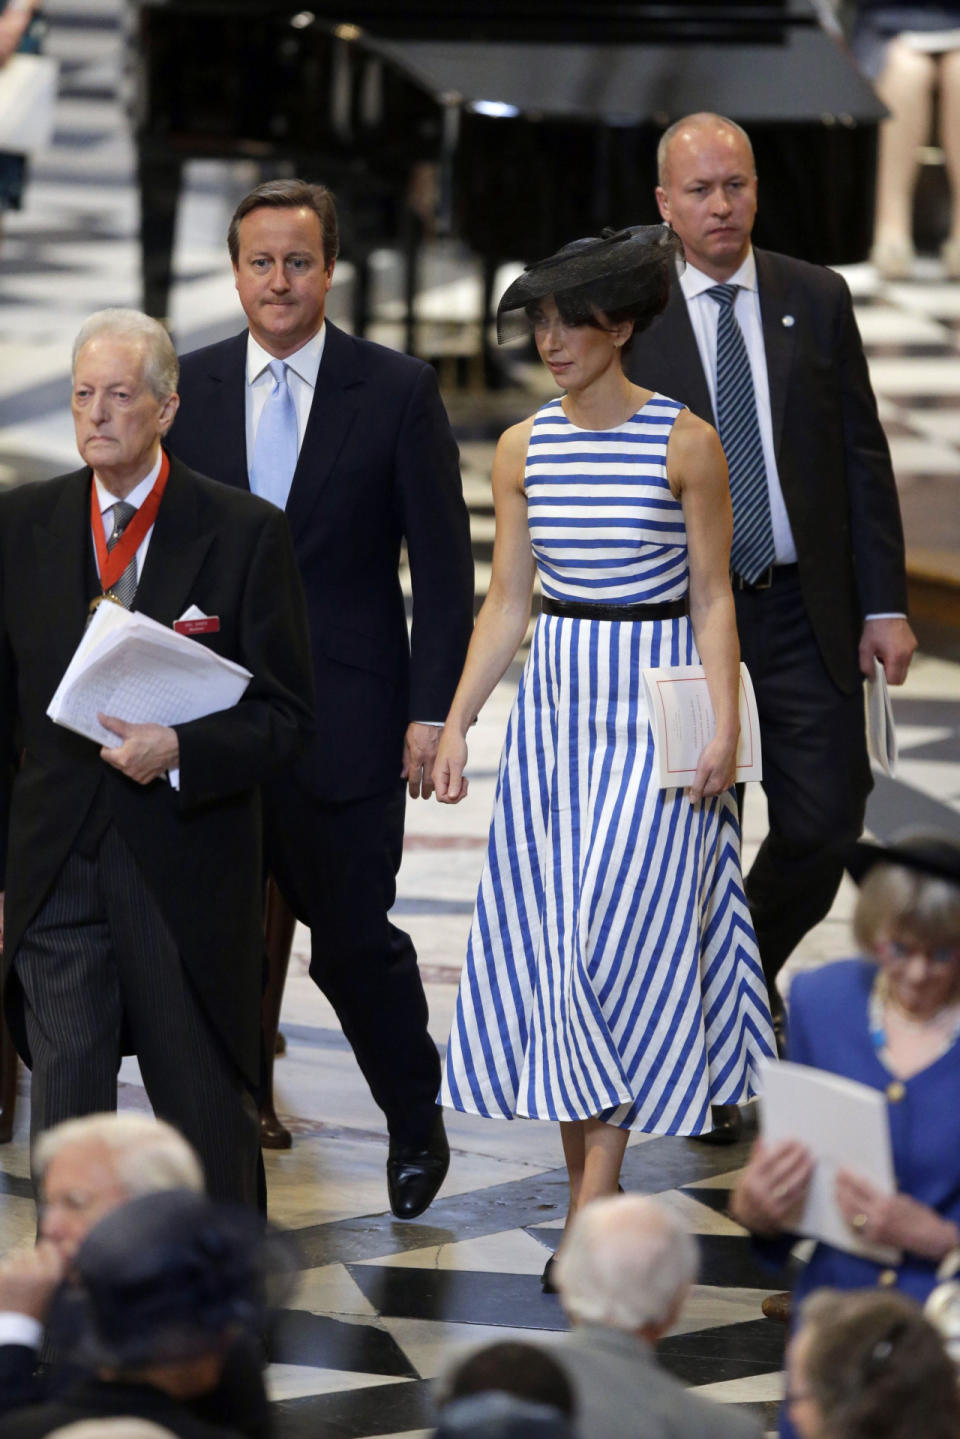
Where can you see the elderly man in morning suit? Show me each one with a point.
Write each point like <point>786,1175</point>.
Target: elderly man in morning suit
<point>766,348</point>
<point>132,883</point>
<point>352,441</point>
<point>623,1274</point>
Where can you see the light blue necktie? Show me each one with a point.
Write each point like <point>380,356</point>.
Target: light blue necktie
<point>739,429</point>
<point>126,586</point>
<point>275,446</point>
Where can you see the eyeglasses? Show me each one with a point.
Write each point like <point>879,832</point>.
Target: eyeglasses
<point>898,951</point>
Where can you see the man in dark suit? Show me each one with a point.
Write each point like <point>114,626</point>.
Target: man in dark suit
<point>352,440</point>
<point>830,593</point>
<point>133,908</point>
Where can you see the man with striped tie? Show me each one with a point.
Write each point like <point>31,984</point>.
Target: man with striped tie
<point>766,348</point>
<point>132,873</point>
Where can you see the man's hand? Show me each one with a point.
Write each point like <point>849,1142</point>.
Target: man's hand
<point>893,642</point>
<point>148,750</point>
<point>419,751</point>
<point>28,1280</point>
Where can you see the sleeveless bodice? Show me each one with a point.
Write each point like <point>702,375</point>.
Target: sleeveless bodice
<point>604,525</point>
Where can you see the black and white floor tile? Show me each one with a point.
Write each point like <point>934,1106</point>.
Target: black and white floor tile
<point>383,1304</point>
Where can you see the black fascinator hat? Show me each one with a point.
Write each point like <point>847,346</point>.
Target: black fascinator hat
<point>615,271</point>
<point>932,854</point>
<point>168,1276</point>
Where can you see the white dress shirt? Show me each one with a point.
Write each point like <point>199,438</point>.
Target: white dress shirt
<point>136,498</point>
<point>302,368</point>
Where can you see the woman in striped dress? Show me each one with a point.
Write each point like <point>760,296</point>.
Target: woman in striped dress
<point>612,979</point>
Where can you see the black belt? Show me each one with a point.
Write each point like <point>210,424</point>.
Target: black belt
<point>770,576</point>
<point>667,610</point>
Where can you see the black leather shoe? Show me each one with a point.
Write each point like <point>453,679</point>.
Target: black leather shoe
<point>727,1125</point>
<point>414,1175</point>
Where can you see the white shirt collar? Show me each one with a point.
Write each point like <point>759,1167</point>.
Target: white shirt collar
<point>694,282</point>
<point>136,496</point>
<point>304,362</point>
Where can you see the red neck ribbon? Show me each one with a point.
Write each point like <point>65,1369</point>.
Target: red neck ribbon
<point>112,563</point>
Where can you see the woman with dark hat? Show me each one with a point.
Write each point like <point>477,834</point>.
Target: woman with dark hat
<point>612,981</point>
<point>890,1020</point>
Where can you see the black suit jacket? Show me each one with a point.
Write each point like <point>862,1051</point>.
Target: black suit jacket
<point>199,848</point>
<point>378,466</point>
<point>96,1399</point>
<point>832,455</point>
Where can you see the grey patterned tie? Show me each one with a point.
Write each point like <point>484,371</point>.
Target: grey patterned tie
<point>126,586</point>
<point>753,548</point>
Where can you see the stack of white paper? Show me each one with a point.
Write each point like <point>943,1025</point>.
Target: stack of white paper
<point>683,722</point>
<point>130,666</point>
<point>881,731</point>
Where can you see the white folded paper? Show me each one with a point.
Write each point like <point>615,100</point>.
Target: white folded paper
<point>28,93</point>
<point>881,730</point>
<point>844,1125</point>
<point>129,666</point>
<point>682,721</point>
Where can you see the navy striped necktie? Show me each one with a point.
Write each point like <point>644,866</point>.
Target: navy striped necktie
<point>739,429</point>
<point>126,586</point>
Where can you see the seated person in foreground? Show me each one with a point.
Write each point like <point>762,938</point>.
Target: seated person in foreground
<point>624,1273</point>
<point>156,1294</point>
<point>868,1365</point>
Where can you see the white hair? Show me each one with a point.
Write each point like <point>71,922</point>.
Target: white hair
<point>626,1263</point>
<point>125,1427</point>
<point>704,119</point>
<point>161,368</point>
<point>147,1154</point>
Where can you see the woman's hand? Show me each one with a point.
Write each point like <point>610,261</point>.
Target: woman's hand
<point>894,1219</point>
<point>716,769</point>
<point>772,1187</point>
<point>13,27</point>
<point>450,782</point>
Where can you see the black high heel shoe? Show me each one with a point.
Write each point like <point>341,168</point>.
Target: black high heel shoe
<point>546,1278</point>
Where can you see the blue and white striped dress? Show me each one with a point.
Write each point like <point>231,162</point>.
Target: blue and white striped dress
<point>612,968</point>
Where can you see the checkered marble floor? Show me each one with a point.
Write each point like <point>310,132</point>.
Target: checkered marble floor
<point>382,1304</point>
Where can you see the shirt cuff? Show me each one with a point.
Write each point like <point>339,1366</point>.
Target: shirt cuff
<point>173,777</point>
<point>434,724</point>
<point>20,1329</point>
<point>886,615</point>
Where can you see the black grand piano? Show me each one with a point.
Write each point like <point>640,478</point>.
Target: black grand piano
<point>538,120</point>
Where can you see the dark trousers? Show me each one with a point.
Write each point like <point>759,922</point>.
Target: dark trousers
<point>336,865</point>
<point>816,773</point>
<point>99,962</point>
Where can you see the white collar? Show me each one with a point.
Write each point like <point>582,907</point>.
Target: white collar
<point>136,496</point>
<point>694,282</point>
<point>304,362</point>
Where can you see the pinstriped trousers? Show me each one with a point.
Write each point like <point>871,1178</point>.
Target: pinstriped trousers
<point>98,960</point>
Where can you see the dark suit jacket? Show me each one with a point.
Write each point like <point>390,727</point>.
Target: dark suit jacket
<point>199,849</point>
<point>378,465</point>
<point>239,1401</point>
<point>622,1390</point>
<point>95,1399</point>
<point>832,456</point>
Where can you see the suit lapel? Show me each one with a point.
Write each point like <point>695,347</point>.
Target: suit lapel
<point>64,559</point>
<point>176,552</point>
<point>332,416</point>
<point>682,357</point>
<point>226,400</point>
<point>777,318</point>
